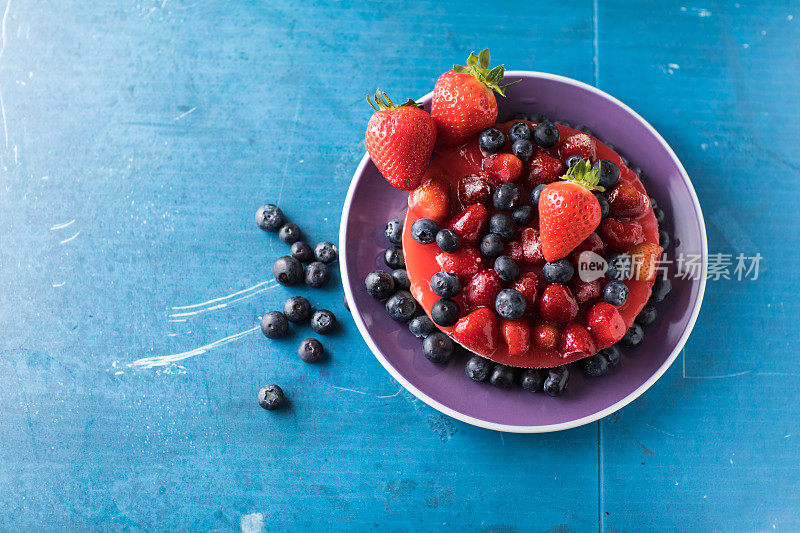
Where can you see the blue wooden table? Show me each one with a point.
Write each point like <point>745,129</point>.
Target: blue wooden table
<point>137,139</point>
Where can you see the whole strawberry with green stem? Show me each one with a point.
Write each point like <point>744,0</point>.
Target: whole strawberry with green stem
<point>463,99</point>
<point>568,211</point>
<point>400,141</point>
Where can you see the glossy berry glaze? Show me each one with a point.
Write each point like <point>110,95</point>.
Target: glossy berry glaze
<point>421,260</point>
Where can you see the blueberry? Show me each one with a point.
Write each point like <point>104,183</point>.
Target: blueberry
<point>659,213</point>
<point>310,350</point>
<point>584,129</point>
<point>653,202</point>
<point>595,366</point>
<point>535,193</point>
<point>445,312</point>
<point>625,160</point>
<point>611,354</point>
<point>379,284</point>
<point>269,217</point>
<point>556,382</point>
<point>394,258</point>
<point>445,284</point>
<point>271,397</point>
<point>501,224</point>
<point>560,271</point>
<point>274,324</point>
<point>401,306</point>
<point>573,160</point>
<point>491,245</point>
<point>317,275</point>
<point>289,233</point>
<point>506,268</point>
<point>394,231</point>
<point>647,315</point>
<point>520,131</point>
<point>605,207</point>
<point>532,380</point>
<point>540,117</point>
<point>326,252</point>
<point>633,337</point>
<point>564,123</point>
<point>438,348</point>
<point>424,230</point>
<point>448,240</point>
<point>523,149</point>
<point>545,134</point>
<point>297,309</point>
<point>323,321</point>
<point>510,304</point>
<point>502,377</point>
<point>421,326</point>
<point>619,266</point>
<point>522,215</point>
<point>506,197</point>
<point>491,140</point>
<point>637,171</point>
<point>478,368</point>
<point>302,252</point>
<point>520,116</point>
<point>401,281</point>
<point>663,239</point>
<point>608,173</point>
<point>287,270</point>
<point>661,288</point>
<point>615,292</point>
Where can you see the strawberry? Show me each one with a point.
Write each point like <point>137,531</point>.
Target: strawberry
<point>528,286</point>
<point>478,331</point>
<point>627,201</point>
<point>531,246</point>
<point>605,323</point>
<point>586,291</point>
<point>592,243</point>
<point>470,224</point>
<point>463,99</point>
<point>474,190</point>
<point>557,304</point>
<point>580,144</point>
<point>568,211</point>
<point>513,249</point>
<point>544,169</point>
<point>483,288</point>
<point>400,140</point>
<point>431,200</point>
<point>503,167</point>
<point>546,335</point>
<point>464,262</point>
<point>517,335</point>
<point>620,236</point>
<point>576,340</point>
<point>645,261</point>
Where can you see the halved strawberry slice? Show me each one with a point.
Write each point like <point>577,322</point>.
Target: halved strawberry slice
<point>586,291</point>
<point>531,246</point>
<point>464,262</point>
<point>431,200</point>
<point>474,190</point>
<point>528,286</point>
<point>517,335</point>
<point>478,331</point>
<point>546,335</point>
<point>580,144</point>
<point>557,304</point>
<point>544,169</point>
<point>514,250</point>
<point>504,167</point>
<point>483,288</point>
<point>470,224</point>
<point>627,201</point>
<point>620,236</point>
<point>576,340</point>
<point>605,323</point>
<point>644,258</point>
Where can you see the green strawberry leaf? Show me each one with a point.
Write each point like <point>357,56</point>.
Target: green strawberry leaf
<point>384,103</point>
<point>584,175</point>
<point>483,58</point>
<point>478,66</point>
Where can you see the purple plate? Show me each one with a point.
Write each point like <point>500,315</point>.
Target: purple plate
<point>371,201</point>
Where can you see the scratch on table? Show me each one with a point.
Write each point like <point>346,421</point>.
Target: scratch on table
<point>61,226</point>
<point>65,241</point>
<point>268,283</point>
<point>289,152</point>
<point>3,29</point>
<point>59,284</point>
<point>164,360</point>
<point>184,114</point>
<point>367,393</point>
<point>224,304</point>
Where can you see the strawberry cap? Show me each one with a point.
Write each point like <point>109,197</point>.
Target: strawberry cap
<point>478,67</point>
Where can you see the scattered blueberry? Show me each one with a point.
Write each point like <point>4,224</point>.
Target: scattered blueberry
<point>289,233</point>
<point>556,381</point>
<point>317,275</point>
<point>445,312</point>
<point>611,354</point>
<point>647,315</point>
<point>302,252</point>
<point>379,284</point>
<point>269,217</point>
<point>491,140</point>
<point>445,284</point>
<point>663,239</point>
<point>401,306</point>
<point>438,348</point>
<point>424,230</point>
<point>619,266</point>
<point>274,324</point>
<point>560,271</point>
<point>615,292</point>
<point>573,160</point>
<point>421,326</point>
<point>491,245</point>
<point>605,207</point>
<point>659,213</point>
<point>478,368</point>
<point>535,193</point>
<point>532,380</point>
<point>501,224</point>
<point>394,231</point>
<point>633,337</point>
<point>595,366</point>
<point>523,149</point>
<point>271,397</point>
<point>506,197</point>
<point>545,134</point>
<point>520,131</point>
<point>401,281</point>
<point>326,252</point>
<point>394,258</point>
<point>502,376</point>
<point>510,304</point>
<point>297,309</point>
<point>661,288</point>
<point>323,321</point>
<point>287,270</point>
<point>310,350</point>
<point>448,240</point>
<point>506,268</point>
<point>608,175</point>
<point>522,215</point>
